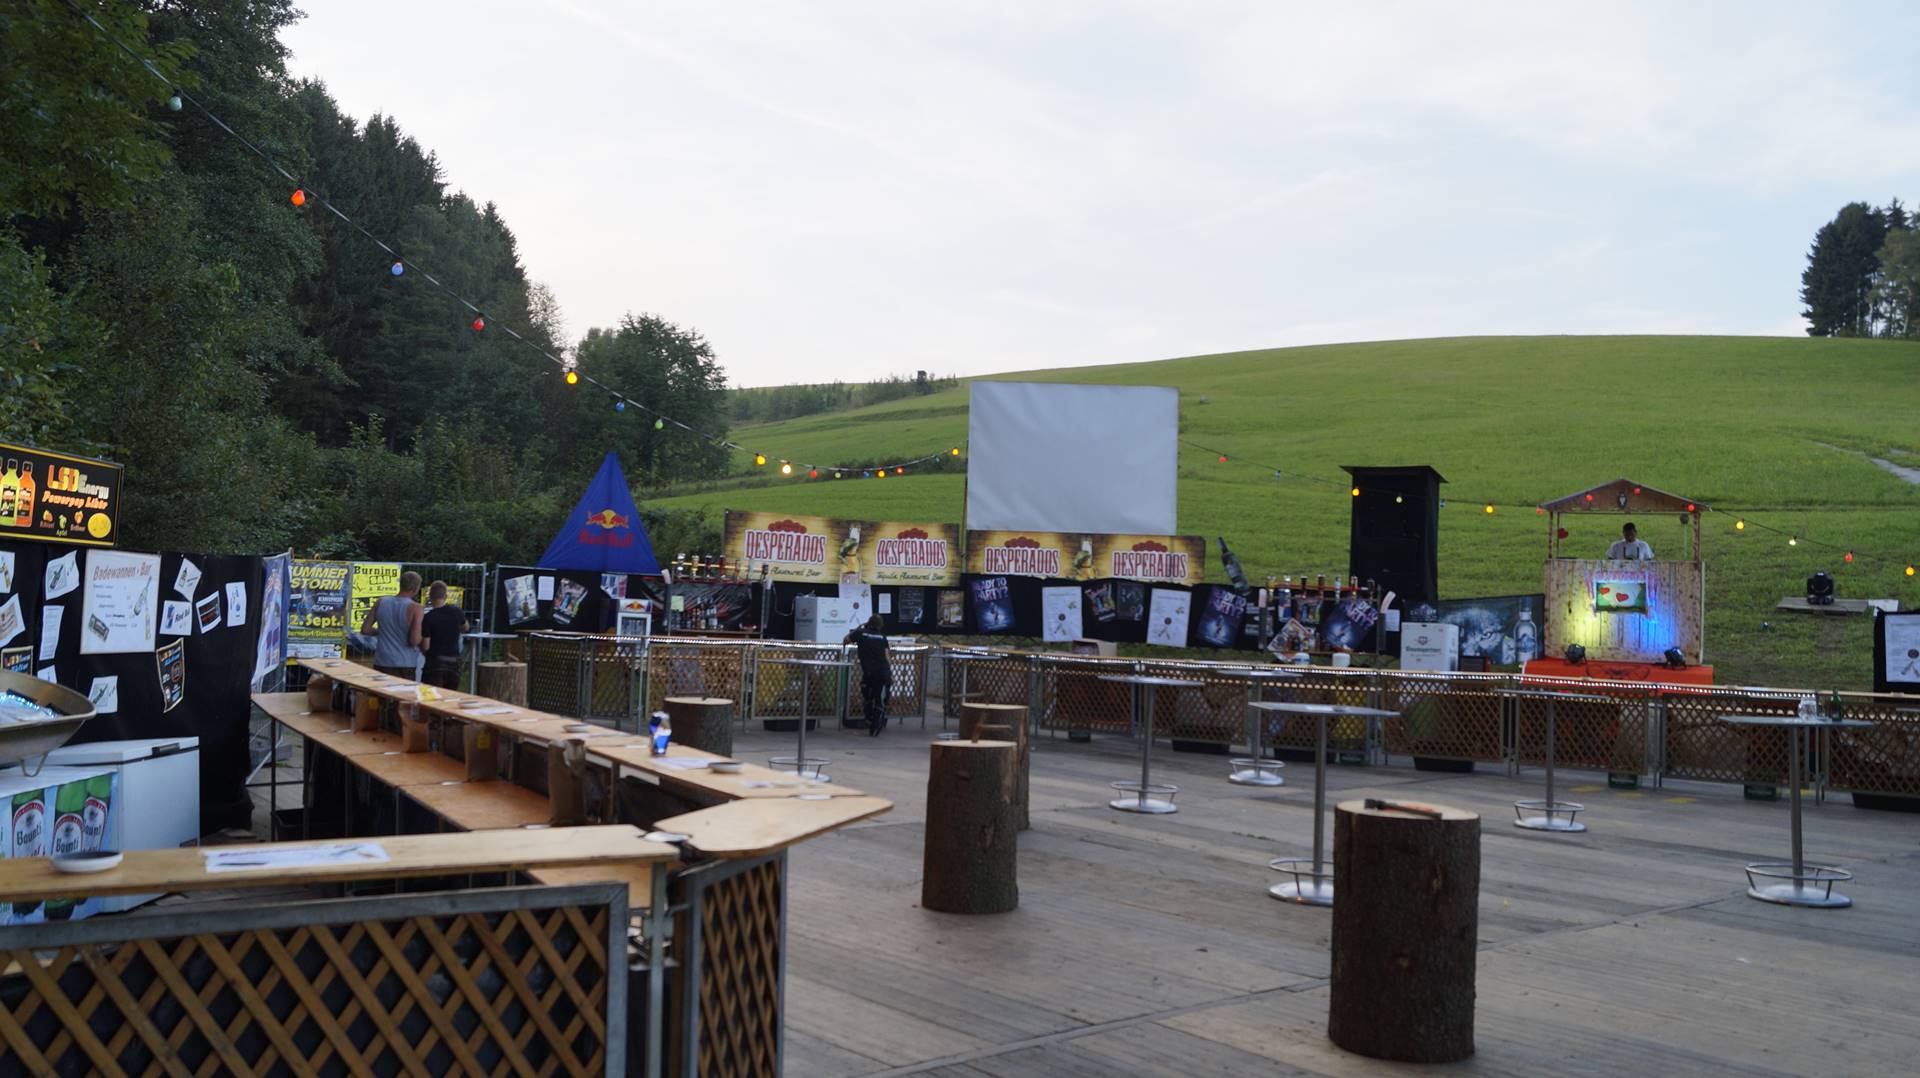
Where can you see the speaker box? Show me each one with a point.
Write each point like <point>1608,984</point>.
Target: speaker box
<point>1396,530</point>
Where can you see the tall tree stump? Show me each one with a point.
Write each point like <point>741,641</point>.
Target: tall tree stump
<point>505,682</point>
<point>1014,717</point>
<point>1404,926</point>
<point>969,864</point>
<point>704,722</point>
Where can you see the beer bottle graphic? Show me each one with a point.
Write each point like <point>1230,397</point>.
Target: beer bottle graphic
<point>93,817</point>
<point>1083,561</point>
<point>69,836</point>
<point>28,837</point>
<point>23,497</point>
<point>9,486</point>
<point>850,555</point>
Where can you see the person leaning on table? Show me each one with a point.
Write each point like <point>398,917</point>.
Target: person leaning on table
<point>396,620</point>
<point>1629,547</point>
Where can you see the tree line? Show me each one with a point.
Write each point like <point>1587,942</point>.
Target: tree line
<point>1863,274</point>
<point>264,376</point>
<point>766,404</point>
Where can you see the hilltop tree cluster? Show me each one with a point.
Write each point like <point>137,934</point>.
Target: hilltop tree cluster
<point>1863,274</point>
<point>263,375</point>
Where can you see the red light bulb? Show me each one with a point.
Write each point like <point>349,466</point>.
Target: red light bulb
<point>479,323</point>
<point>1223,458</point>
<point>1849,557</point>
<point>299,197</point>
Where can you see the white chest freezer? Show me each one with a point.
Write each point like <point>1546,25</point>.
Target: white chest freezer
<point>58,810</point>
<point>822,619</point>
<point>159,806</point>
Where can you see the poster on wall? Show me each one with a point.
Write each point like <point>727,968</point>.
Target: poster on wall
<point>824,550</point>
<point>1624,595</point>
<point>56,498</point>
<point>521,604</point>
<point>1151,559</point>
<point>1060,614</point>
<point>121,603</point>
<point>6,571</point>
<point>63,575</point>
<point>1130,600</point>
<point>992,604</point>
<point>1502,629</point>
<point>176,617</point>
<point>172,662</point>
<point>1221,618</point>
<point>17,660</point>
<point>12,621</point>
<point>1100,601</point>
<point>317,602</point>
<point>1167,617</point>
<point>567,597</point>
<point>207,612</point>
<point>910,606</point>
<point>270,650</point>
<point>1897,653</point>
<point>953,608</point>
<point>371,582</point>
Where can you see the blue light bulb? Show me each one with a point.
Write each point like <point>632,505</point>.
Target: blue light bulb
<point>619,406</point>
<point>398,268</point>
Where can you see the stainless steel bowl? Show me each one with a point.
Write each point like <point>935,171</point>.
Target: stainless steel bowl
<point>20,742</point>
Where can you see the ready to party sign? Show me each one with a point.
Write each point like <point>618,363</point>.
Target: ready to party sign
<point>1620,595</point>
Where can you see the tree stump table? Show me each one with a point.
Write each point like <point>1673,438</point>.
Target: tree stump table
<point>1014,718</point>
<point>703,722</point>
<point>970,864</point>
<point>505,682</point>
<point>1404,931</point>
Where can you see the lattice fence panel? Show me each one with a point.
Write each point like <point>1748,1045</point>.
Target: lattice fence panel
<point>739,989</point>
<point>521,991</point>
<point>1443,720</point>
<point>777,686</point>
<point>1884,759</point>
<point>1322,685</point>
<point>908,698</point>
<point>553,673</point>
<point>1213,710</point>
<point>1072,696</point>
<point>999,680</point>
<point>1701,746</point>
<point>686,669</point>
<point>1608,735</point>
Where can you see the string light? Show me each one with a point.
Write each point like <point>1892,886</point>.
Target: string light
<point>955,451</point>
<point>619,406</point>
<point>882,473</point>
<point>479,323</point>
<point>1909,570</point>
<point>813,473</point>
<point>397,268</point>
<point>659,424</point>
<point>1691,507</point>
<point>1739,525</point>
<point>1355,492</point>
<point>836,475</point>
<point>1538,510</point>
<point>174,102</point>
<point>1489,508</point>
<point>899,471</point>
<point>573,378</point>
<point>759,459</point>
<point>1223,458</point>
<point>1399,500</point>
<point>786,467</point>
<point>1849,557</point>
<point>1792,541</point>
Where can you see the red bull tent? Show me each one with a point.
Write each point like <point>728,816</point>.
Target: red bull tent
<point>603,534</point>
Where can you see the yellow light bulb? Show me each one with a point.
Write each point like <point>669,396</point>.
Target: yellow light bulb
<point>1739,525</point>
<point>573,378</point>
<point>955,451</point>
<point>1489,507</point>
<point>759,458</point>
<point>1909,570</point>
<point>1355,492</point>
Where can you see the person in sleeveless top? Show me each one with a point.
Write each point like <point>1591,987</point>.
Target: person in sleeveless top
<point>394,623</point>
<point>440,630</point>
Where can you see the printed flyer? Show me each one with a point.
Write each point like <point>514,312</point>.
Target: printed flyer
<point>122,603</point>
<point>1060,614</point>
<point>992,605</point>
<point>372,581</point>
<point>317,602</point>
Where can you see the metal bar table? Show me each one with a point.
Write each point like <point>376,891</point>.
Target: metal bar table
<point>1312,885</point>
<point>1256,769</point>
<point>1144,790</point>
<point>1796,883</point>
<point>1548,814</point>
<point>964,658</point>
<point>481,642</point>
<point>802,762</point>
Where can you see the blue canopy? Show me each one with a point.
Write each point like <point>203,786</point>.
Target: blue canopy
<point>603,533</point>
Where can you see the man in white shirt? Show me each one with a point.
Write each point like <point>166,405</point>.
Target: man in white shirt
<point>1629,548</point>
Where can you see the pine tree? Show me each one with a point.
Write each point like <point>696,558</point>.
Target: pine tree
<point>1842,266</point>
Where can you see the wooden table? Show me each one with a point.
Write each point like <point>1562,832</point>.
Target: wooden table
<point>755,828</point>
<point>34,879</point>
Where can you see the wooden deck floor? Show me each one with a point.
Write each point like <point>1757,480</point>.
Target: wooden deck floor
<point>1148,945</point>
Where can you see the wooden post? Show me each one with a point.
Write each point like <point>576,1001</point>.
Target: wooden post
<point>1404,932</point>
<point>703,722</point>
<point>505,682</point>
<point>970,864</point>
<point>1014,716</point>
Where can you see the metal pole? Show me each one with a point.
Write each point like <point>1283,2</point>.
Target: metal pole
<point>1550,718</point>
<point>1146,740</point>
<point>800,765</point>
<point>1319,799</point>
<point>1793,777</point>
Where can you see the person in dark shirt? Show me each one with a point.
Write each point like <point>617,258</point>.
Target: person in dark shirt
<point>440,633</point>
<point>876,673</point>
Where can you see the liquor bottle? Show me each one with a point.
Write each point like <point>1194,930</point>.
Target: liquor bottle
<point>9,485</point>
<point>1526,637</point>
<point>23,498</point>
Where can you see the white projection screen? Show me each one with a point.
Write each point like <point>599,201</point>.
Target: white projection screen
<point>1072,458</point>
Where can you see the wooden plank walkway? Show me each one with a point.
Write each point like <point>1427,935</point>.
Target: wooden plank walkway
<point>1147,945</point>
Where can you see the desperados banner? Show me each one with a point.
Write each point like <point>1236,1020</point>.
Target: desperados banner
<point>317,608</point>
<point>824,550</point>
<point>57,498</point>
<point>1156,559</point>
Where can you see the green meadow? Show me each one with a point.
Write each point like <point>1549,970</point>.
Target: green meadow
<point>1778,431</point>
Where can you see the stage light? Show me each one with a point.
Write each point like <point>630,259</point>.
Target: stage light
<point>1739,525</point>
<point>1820,589</point>
<point>1576,653</point>
<point>573,378</point>
<point>1675,659</point>
<point>786,468</point>
<point>759,459</point>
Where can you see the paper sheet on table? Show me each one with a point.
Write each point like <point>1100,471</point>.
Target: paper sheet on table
<point>680,763</point>
<point>50,618</point>
<point>250,858</point>
<point>489,711</point>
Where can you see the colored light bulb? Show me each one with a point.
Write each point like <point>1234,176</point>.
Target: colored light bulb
<point>619,406</point>
<point>759,458</point>
<point>1739,525</point>
<point>1489,507</point>
<point>479,324</point>
<point>573,378</point>
<point>785,468</point>
<point>397,268</point>
<point>813,473</point>
<point>659,424</point>
<point>299,196</point>
<point>174,102</point>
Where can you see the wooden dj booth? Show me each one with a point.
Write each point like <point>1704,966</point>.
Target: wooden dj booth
<point>498,891</point>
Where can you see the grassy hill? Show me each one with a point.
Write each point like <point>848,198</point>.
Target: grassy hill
<point>1779,429</point>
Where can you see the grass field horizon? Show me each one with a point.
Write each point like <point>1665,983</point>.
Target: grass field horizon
<point>1778,430</point>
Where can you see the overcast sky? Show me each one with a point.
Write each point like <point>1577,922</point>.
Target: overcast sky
<point>834,191</point>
